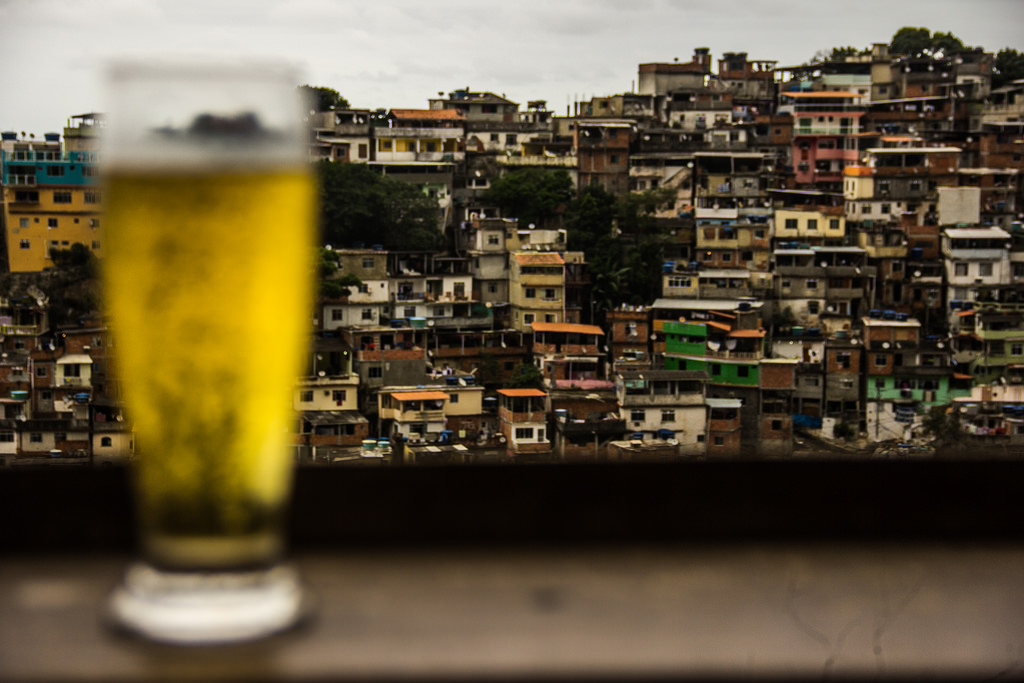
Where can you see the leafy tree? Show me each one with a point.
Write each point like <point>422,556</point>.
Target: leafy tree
<point>943,425</point>
<point>910,41</point>
<point>636,211</point>
<point>323,99</point>
<point>1009,66</point>
<point>590,218</point>
<point>533,195</point>
<point>527,376</point>
<point>947,43</point>
<point>359,205</point>
<point>914,42</point>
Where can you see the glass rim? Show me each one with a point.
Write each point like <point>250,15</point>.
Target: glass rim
<point>203,66</point>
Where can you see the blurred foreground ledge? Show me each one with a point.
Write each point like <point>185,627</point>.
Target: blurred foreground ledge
<point>752,570</point>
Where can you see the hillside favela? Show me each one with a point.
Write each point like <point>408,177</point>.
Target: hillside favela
<point>733,258</point>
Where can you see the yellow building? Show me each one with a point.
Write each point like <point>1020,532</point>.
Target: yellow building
<point>536,289</point>
<point>50,201</point>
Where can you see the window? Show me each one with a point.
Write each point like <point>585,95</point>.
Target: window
<point>528,318</point>
<point>61,197</point>
<point>35,437</point>
<point>881,360</point>
<point>374,372</point>
<point>743,371</point>
<point>409,312</point>
<point>40,371</point>
<point>668,415</point>
<point>637,414</point>
<point>22,222</point>
<point>776,425</point>
<point>493,240</point>
<point>846,383</point>
<point>510,139</point>
<point>811,284</point>
<point>6,437</point>
<point>549,318</point>
<point>495,137</point>
<point>385,145</point>
<point>812,223</point>
<point>367,314</point>
<point>453,397</point>
<point>833,223</point>
<point>55,171</point>
<point>677,281</point>
<point>338,395</point>
<point>886,208</point>
<point>524,433</point>
<point>813,307</point>
<point>530,293</point>
<point>306,396</point>
<point>791,224</point>
<point>106,442</point>
<point>716,368</point>
<point>549,294</point>
<point>960,269</point>
<point>719,440</point>
<point>51,222</point>
<point>24,244</point>
<point>984,269</point>
<point>1016,349</point>
<point>337,314</point>
<point>368,262</point>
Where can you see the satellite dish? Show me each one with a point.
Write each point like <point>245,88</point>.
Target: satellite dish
<point>917,273</point>
<point>885,345</point>
<point>321,374</point>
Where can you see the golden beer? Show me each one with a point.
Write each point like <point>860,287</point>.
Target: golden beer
<point>208,280</point>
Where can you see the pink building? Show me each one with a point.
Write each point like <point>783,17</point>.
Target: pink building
<point>826,124</point>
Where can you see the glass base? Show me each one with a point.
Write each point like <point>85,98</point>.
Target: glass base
<point>197,608</point>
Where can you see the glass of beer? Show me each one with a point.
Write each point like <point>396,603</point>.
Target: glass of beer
<point>209,224</point>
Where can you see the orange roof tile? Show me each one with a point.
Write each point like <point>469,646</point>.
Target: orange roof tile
<point>747,333</point>
<point>858,170</point>
<point>544,258</point>
<point>960,375</point>
<point>966,313</point>
<point>515,393</point>
<point>718,325</point>
<point>567,327</point>
<point>419,396</point>
<point>438,114</point>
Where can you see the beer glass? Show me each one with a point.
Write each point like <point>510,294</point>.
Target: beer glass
<point>207,260</point>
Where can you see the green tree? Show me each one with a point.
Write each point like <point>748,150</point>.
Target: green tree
<point>910,41</point>
<point>1009,66</point>
<point>359,205</point>
<point>323,99</point>
<point>915,42</point>
<point>947,43</point>
<point>590,218</point>
<point>527,376</point>
<point>943,425</point>
<point>533,195</point>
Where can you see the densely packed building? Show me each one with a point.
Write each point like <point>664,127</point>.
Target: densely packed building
<point>847,255</point>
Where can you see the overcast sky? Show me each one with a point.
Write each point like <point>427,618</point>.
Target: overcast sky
<point>399,53</point>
